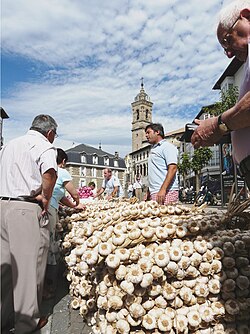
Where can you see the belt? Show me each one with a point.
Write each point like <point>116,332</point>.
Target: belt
<point>21,198</point>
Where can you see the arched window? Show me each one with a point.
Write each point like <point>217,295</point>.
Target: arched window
<point>137,114</point>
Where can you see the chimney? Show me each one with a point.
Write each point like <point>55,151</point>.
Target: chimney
<point>100,146</point>
<point>116,155</point>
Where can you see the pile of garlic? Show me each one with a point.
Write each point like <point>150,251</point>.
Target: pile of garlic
<point>145,268</point>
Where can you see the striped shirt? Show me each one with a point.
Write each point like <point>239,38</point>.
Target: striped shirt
<point>23,161</point>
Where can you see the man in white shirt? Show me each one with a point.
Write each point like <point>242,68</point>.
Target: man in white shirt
<point>28,172</point>
<point>111,185</point>
<point>138,187</point>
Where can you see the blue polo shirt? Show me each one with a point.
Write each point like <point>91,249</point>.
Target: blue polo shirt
<point>59,189</point>
<point>162,154</point>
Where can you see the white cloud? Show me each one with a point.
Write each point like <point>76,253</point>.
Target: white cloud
<point>95,54</point>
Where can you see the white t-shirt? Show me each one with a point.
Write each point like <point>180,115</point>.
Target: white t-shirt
<point>110,184</point>
<point>137,185</point>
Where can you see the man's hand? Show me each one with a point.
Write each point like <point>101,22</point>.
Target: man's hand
<point>80,206</point>
<point>160,197</point>
<point>207,133</point>
<point>44,202</point>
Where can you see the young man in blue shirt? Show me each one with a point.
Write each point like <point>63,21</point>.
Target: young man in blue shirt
<point>162,166</point>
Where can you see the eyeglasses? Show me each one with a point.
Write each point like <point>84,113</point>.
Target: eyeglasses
<point>56,135</point>
<point>226,41</point>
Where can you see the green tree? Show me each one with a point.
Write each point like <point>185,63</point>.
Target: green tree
<point>228,99</point>
<point>184,165</point>
<point>199,160</point>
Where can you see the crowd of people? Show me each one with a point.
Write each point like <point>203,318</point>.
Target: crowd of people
<point>34,182</point>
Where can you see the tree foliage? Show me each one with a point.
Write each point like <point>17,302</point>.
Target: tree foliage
<point>184,164</point>
<point>201,158</point>
<point>228,99</point>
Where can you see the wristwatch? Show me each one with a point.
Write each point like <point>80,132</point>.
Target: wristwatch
<point>222,126</point>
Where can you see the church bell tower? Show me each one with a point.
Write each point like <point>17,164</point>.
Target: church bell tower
<point>142,116</point>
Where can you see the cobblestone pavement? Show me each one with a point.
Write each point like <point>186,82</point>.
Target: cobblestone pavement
<point>61,318</point>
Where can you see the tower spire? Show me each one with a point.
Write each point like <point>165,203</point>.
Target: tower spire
<point>142,82</point>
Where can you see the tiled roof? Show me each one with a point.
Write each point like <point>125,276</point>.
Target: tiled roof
<point>74,155</point>
<point>82,148</point>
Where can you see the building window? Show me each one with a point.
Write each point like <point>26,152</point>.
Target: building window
<point>106,161</point>
<point>95,159</point>
<point>82,183</point>
<point>83,158</point>
<point>83,171</point>
<point>93,172</point>
<point>116,163</point>
<point>206,116</point>
<point>137,114</point>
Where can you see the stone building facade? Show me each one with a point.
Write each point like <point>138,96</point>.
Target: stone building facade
<point>141,117</point>
<point>86,164</point>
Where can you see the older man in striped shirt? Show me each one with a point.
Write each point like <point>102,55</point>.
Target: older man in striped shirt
<point>28,171</point>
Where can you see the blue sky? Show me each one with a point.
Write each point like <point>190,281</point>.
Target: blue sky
<point>81,62</point>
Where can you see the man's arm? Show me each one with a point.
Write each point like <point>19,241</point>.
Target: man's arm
<point>70,204</point>
<point>72,191</point>
<point>172,169</point>
<point>48,183</point>
<point>114,192</point>
<point>99,192</point>
<point>237,117</point>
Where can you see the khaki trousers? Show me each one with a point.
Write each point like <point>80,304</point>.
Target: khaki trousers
<point>138,193</point>
<point>24,248</point>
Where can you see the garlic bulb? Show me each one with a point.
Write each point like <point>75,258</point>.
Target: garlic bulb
<point>134,274</point>
<point>136,310</point>
<point>161,259</point>
<point>149,322</point>
<point>104,248</point>
<point>113,261</point>
<point>194,318</point>
<point>123,326</point>
<point>128,287</point>
<point>164,323</point>
<point>115,302</point>
<point>123,253</point>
